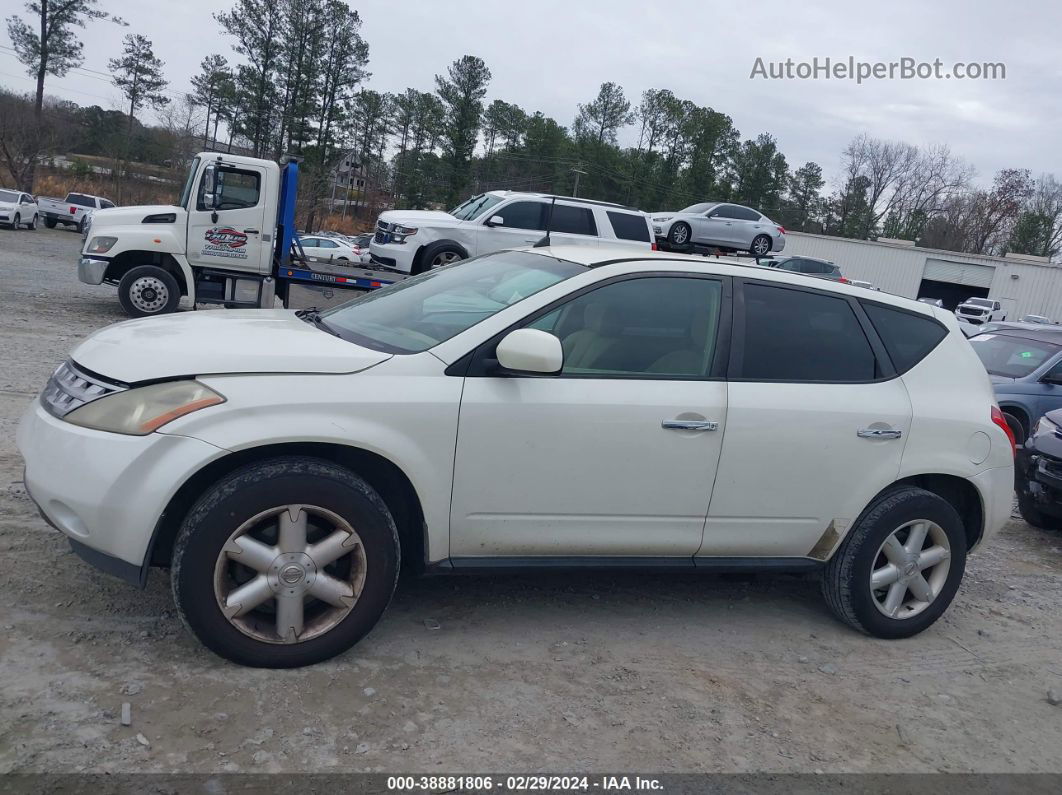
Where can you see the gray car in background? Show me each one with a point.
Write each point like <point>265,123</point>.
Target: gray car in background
<point>822,268</point>
<point>718,225</point>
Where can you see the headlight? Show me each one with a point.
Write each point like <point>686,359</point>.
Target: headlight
<point>662,219</point>
<point>1044,425</point>
<point>405,230</point>
<point>101,245</point>
<point>144,409</point>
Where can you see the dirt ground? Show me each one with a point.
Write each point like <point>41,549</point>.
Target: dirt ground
<point>524,673</point>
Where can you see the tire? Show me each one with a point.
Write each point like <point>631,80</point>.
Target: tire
<point>1032,515</point>
<point>761,246</point>
<point>342,259</point>
<point>678,236</point>
<point>148,290</point>
<point>209,530</point>
<point>17,223</point>
<point>33,224</point>
<point>846,582</point>
<point>436,255</point>
<point>50,223</point>
<point>81,227</point>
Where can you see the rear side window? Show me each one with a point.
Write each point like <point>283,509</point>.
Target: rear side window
<point>573,220</point>
<point>908,337</point>
<point>628,226</point>
<point>795,335</point>
<point>80,201</point>
<point>725,211</point>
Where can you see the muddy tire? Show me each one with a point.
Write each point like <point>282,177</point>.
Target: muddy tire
<point>148,290</point>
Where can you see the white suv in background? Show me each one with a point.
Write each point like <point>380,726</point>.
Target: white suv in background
<point>570,407</point>
<point>413,241</point>
<point>980,310</point>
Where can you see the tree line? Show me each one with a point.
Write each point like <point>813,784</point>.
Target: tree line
<point>297,85</point>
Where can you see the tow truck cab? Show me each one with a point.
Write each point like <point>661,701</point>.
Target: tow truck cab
<point>229,240</point>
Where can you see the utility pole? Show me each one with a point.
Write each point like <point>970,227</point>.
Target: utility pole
<point>578,173</point>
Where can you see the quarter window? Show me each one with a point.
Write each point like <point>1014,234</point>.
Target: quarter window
<point>654,327</point>
<point>797,335</point>
<point>523,215</point>
<point>908,337</point>
<point>628,226</point>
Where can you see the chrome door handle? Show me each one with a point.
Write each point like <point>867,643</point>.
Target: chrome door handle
<point>879,433</point>
<point>689,425</point>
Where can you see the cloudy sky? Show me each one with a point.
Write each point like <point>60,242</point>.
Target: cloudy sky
<point>550,55</point>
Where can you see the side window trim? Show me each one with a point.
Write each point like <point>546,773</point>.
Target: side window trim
<point>737,344</point>
<point>474,363</point>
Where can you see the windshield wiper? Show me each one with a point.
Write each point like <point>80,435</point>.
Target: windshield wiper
<point>313,315</point>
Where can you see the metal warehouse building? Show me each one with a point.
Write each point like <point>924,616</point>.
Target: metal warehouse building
<point>1023,284</point>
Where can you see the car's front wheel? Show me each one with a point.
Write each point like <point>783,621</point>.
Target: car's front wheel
<point>32,225</point>
<point>761,246</point>
<point>437,255</point>
<point>17,222</point>
<point>899,567</point>
<point>285,563</point>
<point>679,235</point>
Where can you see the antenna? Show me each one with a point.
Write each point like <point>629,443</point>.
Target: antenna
<point>544,242</point>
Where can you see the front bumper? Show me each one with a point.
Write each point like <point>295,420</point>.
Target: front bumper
<point>105,491</point>
<point>91,271</point>
<point>1039,479</point>
<point>393,255</point>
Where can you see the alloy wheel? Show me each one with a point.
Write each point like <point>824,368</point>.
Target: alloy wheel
<point>910,569</point>
<point>444,258</point>
<point>289,574</point>
<point>149,294</point>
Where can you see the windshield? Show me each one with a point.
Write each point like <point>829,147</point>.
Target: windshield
<point>703,207</point>
<point>8,196</point>
<point>419,313</point>
<point>474,207</point>
<point>1012,357</point>
<point>187,189</point>
<point>980,302</point>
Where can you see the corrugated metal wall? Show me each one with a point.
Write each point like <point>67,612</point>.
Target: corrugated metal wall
<point>1031,288</point>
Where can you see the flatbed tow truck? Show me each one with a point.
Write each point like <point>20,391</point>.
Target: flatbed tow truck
<point>230,240</point>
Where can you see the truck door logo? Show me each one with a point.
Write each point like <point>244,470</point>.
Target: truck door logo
<point>224,241</point>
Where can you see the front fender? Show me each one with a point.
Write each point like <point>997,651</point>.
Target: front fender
<point>408,418</point>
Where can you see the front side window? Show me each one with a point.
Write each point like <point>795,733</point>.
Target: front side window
<point>234,189</point>
<point>418,313</point>
<point>474,207</point>
<point>725,211</point>
<point>523,215</point>
<point>1011,357</point>
<point>797,335</point>
<point>654,327</point>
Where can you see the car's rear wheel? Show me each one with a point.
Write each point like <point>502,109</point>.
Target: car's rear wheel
<point>81,227</point>
<point>900,566</point>
<point>761,245</point>
<point>50,223</point>
<point>679,235</point>
<point>285,563</point>
<point>148,290</point>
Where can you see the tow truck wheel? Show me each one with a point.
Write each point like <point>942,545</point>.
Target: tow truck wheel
<point>148,290</point>
<point>285,563</point>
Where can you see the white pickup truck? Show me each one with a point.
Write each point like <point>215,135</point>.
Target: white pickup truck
<point>74,210</point>
<point>981,310</point>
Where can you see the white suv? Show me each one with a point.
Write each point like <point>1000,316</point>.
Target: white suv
<point>413,241</point>
<point>552,407</point>
<point>980,310</point>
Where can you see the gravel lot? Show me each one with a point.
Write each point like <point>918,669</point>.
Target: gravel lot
<point>529,673</point>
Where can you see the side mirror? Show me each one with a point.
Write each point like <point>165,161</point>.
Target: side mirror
<point>1052,378</point>
<point>209,199</point>
<point>495,220</point>
<point>529,350</point>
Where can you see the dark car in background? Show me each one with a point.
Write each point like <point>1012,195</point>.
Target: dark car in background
<point>822,268</point>
<point>1038,473</point>
<point>1025,365</point>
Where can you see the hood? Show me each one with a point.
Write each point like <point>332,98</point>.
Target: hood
<point>8,205</point>
<point>122,216</point>
<point>217,342</point>
<point>415,217</point>
<point>1000,379</point>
